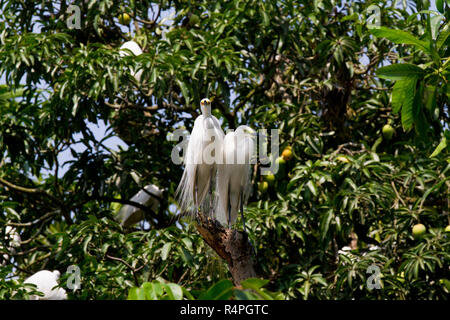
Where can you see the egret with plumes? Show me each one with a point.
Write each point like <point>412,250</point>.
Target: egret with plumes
<point>195,188</point>
<point>135,50</point>
<point>46,281</point>
<point>150,196</point>
<point>234,175</point>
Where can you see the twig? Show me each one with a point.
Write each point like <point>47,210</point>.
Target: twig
<point>36,221</point>
<point>397,194</point>
<point>133,270</point>
<point>38,191</point>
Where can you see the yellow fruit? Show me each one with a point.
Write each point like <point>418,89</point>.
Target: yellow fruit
<point>124,19</point>
<point>270,178</point>
<point>388,131</point>
<point>263,186</point>
<point>418,230</point>
<point>447,228</point>
<point>287,154</point>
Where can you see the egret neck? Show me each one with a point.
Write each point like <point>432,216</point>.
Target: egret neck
<point>206,109</point>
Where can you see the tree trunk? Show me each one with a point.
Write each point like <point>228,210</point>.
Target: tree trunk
<point>231,245</point>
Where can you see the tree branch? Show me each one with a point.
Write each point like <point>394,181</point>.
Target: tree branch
<point>231,245</point>
<point>39,191</point>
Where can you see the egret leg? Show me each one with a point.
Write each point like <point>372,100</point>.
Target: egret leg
<point>196,200</point>
<point>196,204</point>
<point>210,200</point>
<point>242,215</point>
<point>229,207</point>
<point>229,215</point>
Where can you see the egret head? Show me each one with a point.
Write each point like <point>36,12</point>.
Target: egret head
<point>205,106</point>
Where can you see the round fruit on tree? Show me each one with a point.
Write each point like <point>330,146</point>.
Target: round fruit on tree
<point>447,228</point>
<point>388,131</point>
<point>287,153</point>
<point>124,19</point>
<point>418,230</point>
<point>270,178</point>
<point>263,186</point>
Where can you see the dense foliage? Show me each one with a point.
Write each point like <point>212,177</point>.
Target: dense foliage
<point>328,74</point>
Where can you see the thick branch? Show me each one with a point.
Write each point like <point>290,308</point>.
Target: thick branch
<point>231,245</point>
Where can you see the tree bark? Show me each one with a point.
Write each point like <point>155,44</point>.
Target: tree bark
<point>231,245</point>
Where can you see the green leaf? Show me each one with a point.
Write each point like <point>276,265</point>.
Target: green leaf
<point>254,283</point>
<point>430,98</point>
<point>222,290</point>
<point>435,23</point>
<point>245,295</point>
<point>351,183</point>
<point>441,146</point>
<point>174,291</point>
<point>400,37</point>
<point>398,93</point>
<point>408,104</point>
<point>187,294</point>
<point>86,242</point>
<point>184,91</point>
<point>187,242</point>
<point>440,6</point>
<point>165,250</point>
<point>150,293</point>
<point>136,294</point>
<point>158,288</point>
<point>325,223</point>
<point>442,37</point>
<point>312,187</point>
<point>400,71</point>
<point>420,122</point>
<point>265,18</point>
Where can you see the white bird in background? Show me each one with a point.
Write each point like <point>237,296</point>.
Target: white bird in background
<point>149,196</point>
<point>45,282</point>
<point>199,172</point>
<point>12,242</point>
<point>136,50</point>
<point>234,175</point>
<point>12,237</point>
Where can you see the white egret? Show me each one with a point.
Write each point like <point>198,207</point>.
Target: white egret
<point>200,170</point>
<point>12,241</point>
<point>12,237</point>
<point>136,50</point>
<point>234,175</point>
<point>149,196</point>
<point>45,282</point>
